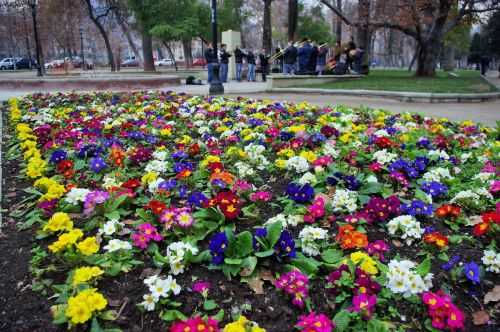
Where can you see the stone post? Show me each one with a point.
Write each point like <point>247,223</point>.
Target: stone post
<point>231,39</point>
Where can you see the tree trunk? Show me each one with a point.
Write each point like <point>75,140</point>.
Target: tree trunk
<point>293,16</point>
<point>103,33</point>
<point>147,51</point>
<point>428,54</point>
<point>338,23</point>
<point>188,53</point>
<point>169,50</point>
<point>267,38</point>
<point>363,33</point>
<point>128,35</point>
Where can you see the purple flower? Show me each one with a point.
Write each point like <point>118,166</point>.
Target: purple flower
<point>417,208</point>
<point>300,194</point>
<point>434,188</point>
<point>451,263</point>
<point>92,199</point>
<point>57,156</point>
<point>97,164</point>
<point>285,246</point>
<point>197,199</point>
<point>218,244</point>
<point>471,271</point>
<point>168,185</point>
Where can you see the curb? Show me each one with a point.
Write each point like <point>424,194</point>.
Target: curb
<point>409,97</point>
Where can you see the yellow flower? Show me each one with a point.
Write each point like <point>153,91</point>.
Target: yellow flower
<point>86,273</point>
<point>280,163</point>
<point>309,155</point>
<point>166,132</point>
<point>367,263</point>
<point>210,159</point>
<point>58,222</point>
<point>149,177</point>
<point>35,168</point>
<point>65,240</point>
<point>297,128</point>
<point>77,311</point>
<point>243,325</point>
<point>88,246</point>
<point>289,153</point>
<point>346,137</point>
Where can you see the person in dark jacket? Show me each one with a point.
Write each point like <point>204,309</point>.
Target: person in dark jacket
<point>485,63</point>
<point>211,59</point>
<point>264,64</point>
<point>251,66</point>
<point>304,53</point>
<point>279,59</point>
<point>321,60</point>
<point>311,64</point>
<point>224,63</point>
<point>238,58</point>
<point>290,59</point>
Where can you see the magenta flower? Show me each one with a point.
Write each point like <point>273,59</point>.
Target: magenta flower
<point>296,284</point>
<point>316,210</point>
<point>241,186</point>
<point>364,304</point>
<point>92,199</point>
<point>315,323</point>
<point>377,249</point>
<point>262,196</point>
<point>323,161</point>
<point>201,287</point>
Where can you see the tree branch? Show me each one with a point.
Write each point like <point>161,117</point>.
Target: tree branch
<point>337,12</point>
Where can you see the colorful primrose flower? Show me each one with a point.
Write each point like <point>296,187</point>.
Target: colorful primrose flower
<point>471,272</point>
<point>443,312</point>
<point>314,322</point>
<point>285,247</point>
<point>364,304</point>
<point>145,234</point>
<point>196,324</point>
<point>218,244</point>
<point>296,284</point>
<point>300,194</point>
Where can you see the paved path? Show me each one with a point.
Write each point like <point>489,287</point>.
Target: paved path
<point>487,113</point>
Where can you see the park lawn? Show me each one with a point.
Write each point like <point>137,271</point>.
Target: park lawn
<point>467,81</point>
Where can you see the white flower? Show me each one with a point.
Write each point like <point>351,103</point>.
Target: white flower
<point>116,244</point>
<point>76,195</point>
<point>401,279</point>
<point>158,166</point>
<point>153,185</point>
<point>172,285</point>
<point>483,176</point>
<point>308,235</point>
<point>384,157</point>
<point>291,220</point>
<point>175,254</point>
<point>297,164</point>
<point>110,227</point>
<point>437,174</point>
<point>308,178</point>
<point>492,261</point>
<point>344,199</point>
<point>372,179</point>
<point>471,195</point>
<point>160,155</point>
<point>329,149</point>
<point>160,287</point>
<point>409,227</point>
<point>381,132</point>
<point>149,302</point>
<point>439,153</point>
<point>244,170</point>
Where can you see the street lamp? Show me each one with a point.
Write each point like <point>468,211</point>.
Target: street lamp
<point>38,46</point>
<point>82,55</point>
<point>216,87</point>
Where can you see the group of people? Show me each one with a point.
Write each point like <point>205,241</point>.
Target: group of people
<point>305,58</point>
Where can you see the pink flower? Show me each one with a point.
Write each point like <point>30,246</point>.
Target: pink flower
<point>316,210</point>
<point>140,240</point>
<point>488,167</point>
<point>263,196</point>
<point>196,324</point>
<point>241,186</point>
<point>375,167</point>
<point>377,249</point>
<point>443,313</point>
<point>323,161</point>
<point>315,323</point>
<point>184,219</point>
<point>150,232</point>
<point>495,187</point>
<point>364,304</point>
<point>296,284</point>
<point>201,287</point>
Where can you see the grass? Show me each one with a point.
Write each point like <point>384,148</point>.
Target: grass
<point>467,81</point>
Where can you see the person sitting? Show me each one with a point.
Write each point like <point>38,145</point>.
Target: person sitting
<point>290,58</point>
<point>321,60</point>
<point>304,53</point>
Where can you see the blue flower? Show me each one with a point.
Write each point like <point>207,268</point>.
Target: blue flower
<point>451,263</point>
<point>424,143</point>
<point>286,136</point>
<point>218,245</point>
<point>417,208</point>
<point>97,164</point>
<point>168,184</point>
<point>197,199</point>
<point>179,155</point>
<point>259,232</point>
<point>90,150</point>
<point>351,182</point>
<point>285,246</point>
<point>300,194</point>
<point>434,188</point>
<point>57,156</point>
<point>471,271</point>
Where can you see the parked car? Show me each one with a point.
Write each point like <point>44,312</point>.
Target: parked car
<point>164,62</point>
<point>130,63</point>
<point>7,63</point>
<point>25,63</point>
<point>58,63</point>
<point>200,62</point>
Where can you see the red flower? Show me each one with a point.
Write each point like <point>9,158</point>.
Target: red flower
<point>229,204</point>
<point>492,216</point>
<point>156,206</point>
<point>216,167</point>
<point>383,142</point>
<point>131,184</point>
<point>481,228</point>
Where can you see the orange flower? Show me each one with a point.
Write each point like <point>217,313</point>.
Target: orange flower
<point>117,155</point>
<point>223,176</point>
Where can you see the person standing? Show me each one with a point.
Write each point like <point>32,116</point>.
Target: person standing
<point>321,61</point>
<point>485,63</point>
<point>304,53</point>
<point>224,63</point>
<point>264,64</point>
<point>211,59</point>
<point>311,64</point>
<point>251,66</point>
<point>290,58</point>
<point>238,58</point>
<point>279,59</point>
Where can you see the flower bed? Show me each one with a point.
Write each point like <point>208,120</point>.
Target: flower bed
<point>208,214</point>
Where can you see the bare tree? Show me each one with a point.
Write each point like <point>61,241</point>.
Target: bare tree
<point>293,17</point>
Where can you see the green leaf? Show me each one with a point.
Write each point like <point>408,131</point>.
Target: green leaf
<point>307,265</point>
<point>342,320</point>
<point>425,267</point>
<point>375,325</point>
<point>266,253</point>
<point>233,261</point>
<point>95,327</point>
<point>219,316</point>
<point>331,256</point>
<point>113,215</point>
<point>244,243</point>
<point>273,233</point>
<point>209,305</point>
<point>248,266</point>
<point>171,315</point>
<point>371,188</point>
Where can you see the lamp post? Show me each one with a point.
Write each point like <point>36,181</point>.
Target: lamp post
<point>216,87</point>
<point>38,46</point>
<point>82,53</point>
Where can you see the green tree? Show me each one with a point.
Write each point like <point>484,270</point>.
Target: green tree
<point>492,34</point>
<point>476,49</point>
<point>313,25</point>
